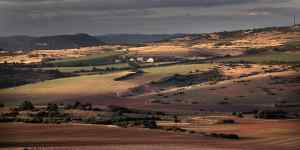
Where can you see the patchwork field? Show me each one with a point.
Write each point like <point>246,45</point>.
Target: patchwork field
<point>275,57</point>
<point>87,68</point>
<point>88,88</point>
<point>239,94</point>
<point>39,55</point>
<point>235,90</point>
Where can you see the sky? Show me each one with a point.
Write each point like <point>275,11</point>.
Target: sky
<point>97,17</point>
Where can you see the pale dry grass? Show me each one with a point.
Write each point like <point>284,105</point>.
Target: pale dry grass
<point>39,55</point>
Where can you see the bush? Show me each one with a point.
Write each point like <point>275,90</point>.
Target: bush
<point>271,114</point>
<point>119,109</point>
<point>89,120</point>
<point>150,124</point>
<point>78,105</point>
<point>254,51</point>
<point>176,120</point>
<point>1,105</point>
<point>228,121</point>
<point>176,129</point>
<point>26,105</point>
<point>51,120</point>
<point>7,118</point>
<point>238,114</point>
<point>225,136</point>
<point>34,119</point>
<point>52,107</point>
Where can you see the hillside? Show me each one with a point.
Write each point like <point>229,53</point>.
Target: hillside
<point>26,43</point>
<point>136,38</point>
<point>231,43</point>
<point>236,89</point>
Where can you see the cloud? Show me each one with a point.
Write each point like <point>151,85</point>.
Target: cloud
<point>123,4</point>
<point>284,11</point>
<point>39,17</point>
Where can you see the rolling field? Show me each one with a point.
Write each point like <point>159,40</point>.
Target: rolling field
<point>275,57</point>
<point>260,134</point>
<point>97,59</point>
<point>222,103</point>
<point>73,88</point>
<point>87,68</point>
<point>245,94</point>
<point>72,136</point>
<point>89,88</point>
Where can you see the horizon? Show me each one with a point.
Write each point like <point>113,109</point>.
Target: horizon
<point>108,34</point>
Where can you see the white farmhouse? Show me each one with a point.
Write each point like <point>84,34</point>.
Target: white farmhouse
<point>117,61</point>
<point>131,59</point>
<point>150,60</point>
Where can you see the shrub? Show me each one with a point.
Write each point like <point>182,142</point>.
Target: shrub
<point>52,107</point>
<point>238,114</point>
<point>51,120</point>
<point>253,51</point>
<point>34,119</point>
<point>26,105</point>
<point>150,124</point>
<point>7,118</point>
<point>176,120</point>
<point>89,120</point>
<point>271,114</point>
<point>225,136</point>
<point>176,129</point>
<point>228,121</point>
<point>86,106</point>
<point>119,109</point>
<point>76,105</point>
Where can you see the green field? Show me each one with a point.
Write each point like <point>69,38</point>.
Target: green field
<point>91,86</point>
<point>90,68</point>
<point>99,59</point>
<point>66,88</point>
<point>87,68</point>
<point>274,57</point>
<point>177,69</point>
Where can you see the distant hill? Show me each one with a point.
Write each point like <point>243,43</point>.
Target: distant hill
<point>27,43</point>
<point>136,38</point>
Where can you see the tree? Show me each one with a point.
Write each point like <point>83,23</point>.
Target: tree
<point>52,107</point>
<point>26,105</point>
<point>176,120</point>
<point>150,124</point>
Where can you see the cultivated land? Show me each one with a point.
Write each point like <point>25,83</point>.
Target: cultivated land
<point>89,87</point>
<point>228,90</point>
<point>274,57</point>
<point>260,134</point>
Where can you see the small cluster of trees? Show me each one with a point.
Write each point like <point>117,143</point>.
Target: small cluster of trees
<point>225,136</point>
<point>271,114</point>
<point>26,105</point>
<point>81,106</point>
<point>123,117</point>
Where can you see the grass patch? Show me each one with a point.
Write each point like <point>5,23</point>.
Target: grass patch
<point>274,57</point>
<point>87,68</point>
<point>177,69</point>
<point>65,88</point>
<point>99,59</point>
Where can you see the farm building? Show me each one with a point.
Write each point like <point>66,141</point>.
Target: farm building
<point>150,60</point>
